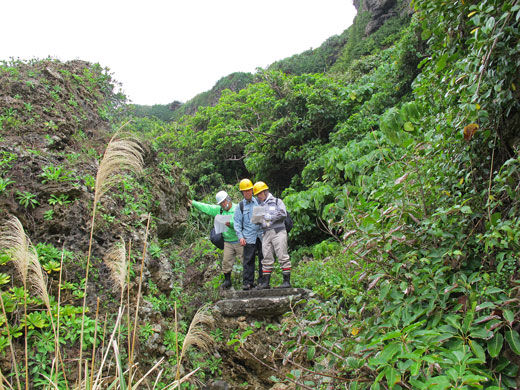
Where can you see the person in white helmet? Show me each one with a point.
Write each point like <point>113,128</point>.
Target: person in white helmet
<point>232,248</point>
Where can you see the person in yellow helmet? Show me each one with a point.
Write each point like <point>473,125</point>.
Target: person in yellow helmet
<point>274,240</point>
<point>249,235</point>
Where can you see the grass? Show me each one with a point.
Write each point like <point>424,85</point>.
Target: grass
<point>122,154</point>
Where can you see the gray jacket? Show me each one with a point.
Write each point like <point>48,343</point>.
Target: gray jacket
<point>275,214</point>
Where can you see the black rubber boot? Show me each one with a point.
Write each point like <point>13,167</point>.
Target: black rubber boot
<point>286,280</point>
<point>227,280</point>
<point>265,282</point>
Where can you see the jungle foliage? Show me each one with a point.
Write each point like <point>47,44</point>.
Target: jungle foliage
<point>402,176</point>
<point>400,168</point>
<point>314,60</point>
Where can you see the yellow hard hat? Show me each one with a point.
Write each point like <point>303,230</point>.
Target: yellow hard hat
<point>245,184</point>
<point>259,187</point>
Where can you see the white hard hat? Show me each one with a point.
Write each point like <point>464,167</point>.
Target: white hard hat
<point>221,196</point>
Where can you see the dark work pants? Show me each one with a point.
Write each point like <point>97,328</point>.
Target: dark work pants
<point>250,250</point>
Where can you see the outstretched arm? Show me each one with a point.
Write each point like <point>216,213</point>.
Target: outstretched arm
<point>209,209</point>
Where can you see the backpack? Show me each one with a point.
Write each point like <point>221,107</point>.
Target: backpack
<point>216,239</point>
<point>288,222</point>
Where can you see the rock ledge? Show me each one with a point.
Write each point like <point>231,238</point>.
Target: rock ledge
<point>260,303</point>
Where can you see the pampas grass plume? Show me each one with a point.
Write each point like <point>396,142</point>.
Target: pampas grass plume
<point>121,154</point>
<point>18,245</point>
<point>115,260</point>
<point>196,334</point>
<point>39,281</point>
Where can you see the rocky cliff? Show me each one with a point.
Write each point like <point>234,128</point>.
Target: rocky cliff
<point>381,10</point>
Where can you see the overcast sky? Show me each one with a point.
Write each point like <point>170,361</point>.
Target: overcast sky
<point>163,50</point>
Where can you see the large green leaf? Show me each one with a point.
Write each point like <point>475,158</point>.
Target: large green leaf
<point>311,352</point>
<point>441,63</point>
<point>494,345</point>
<point>392,376</point>
<point>509,316</point>
<point>513,339</point>
<point>478,350</point>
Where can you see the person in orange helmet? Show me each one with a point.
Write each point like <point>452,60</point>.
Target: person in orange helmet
<point>274,240</point>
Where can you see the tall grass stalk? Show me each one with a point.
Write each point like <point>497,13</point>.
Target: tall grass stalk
<point>119,367</point>
<point>104,337</point>
<point>149,372</point>
<point>57,333</point>
<point>128,297</point>
<point>27,264</point>
<point>39,287</point>
<point>2,380</point>
<point>122,154</point>
<point>115,260</point>
<point>22,252</point>
<point>196,334</point>
<point>178,373</point>
<point>177,383</point>
<point>92,365</point>
<point>17,376</point>
<point>105,355</point>
<point>119,382</point>
<point>134,330</point>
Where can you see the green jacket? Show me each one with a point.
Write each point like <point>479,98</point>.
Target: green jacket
<point>214,210</point>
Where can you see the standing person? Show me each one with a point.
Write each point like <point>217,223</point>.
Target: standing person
<point>249,235</point>
<point>274,240</point>
<point>232,248</point>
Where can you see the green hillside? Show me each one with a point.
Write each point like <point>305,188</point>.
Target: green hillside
<point>175,110</point>
<point>396,153</point>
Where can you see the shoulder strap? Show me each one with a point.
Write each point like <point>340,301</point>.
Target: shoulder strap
<point>242,210</point>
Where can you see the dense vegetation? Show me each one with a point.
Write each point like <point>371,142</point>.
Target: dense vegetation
<point>413,176</point>
<point>175,110</point>
<point>400,167</point>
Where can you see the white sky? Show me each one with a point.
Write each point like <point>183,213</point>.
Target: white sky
<point>163,50</point>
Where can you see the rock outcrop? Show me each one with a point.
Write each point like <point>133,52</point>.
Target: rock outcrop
<point>255,326</point>
<point>260,303</point>
<point>381,11</point>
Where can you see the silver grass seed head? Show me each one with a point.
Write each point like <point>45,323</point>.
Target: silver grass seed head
<point>14,240</point>
<point>122,154</point>
<point>115,260</point>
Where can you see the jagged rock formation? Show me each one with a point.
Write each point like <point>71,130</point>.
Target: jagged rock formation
<point>381,11</point>
<point>55,123</point>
